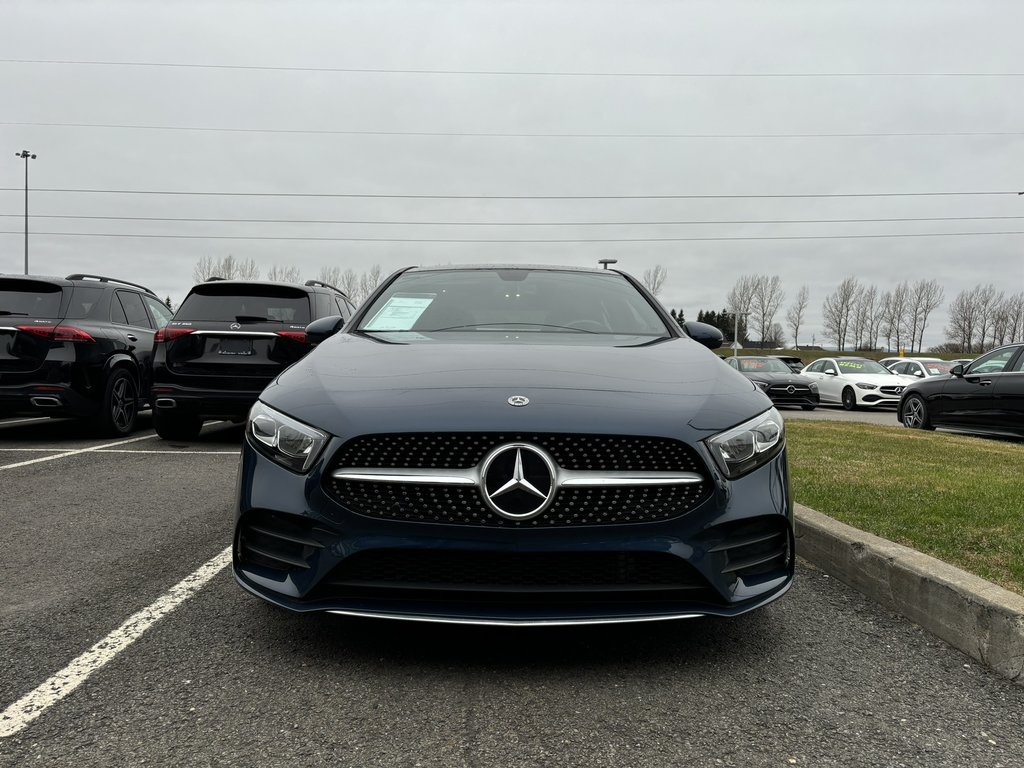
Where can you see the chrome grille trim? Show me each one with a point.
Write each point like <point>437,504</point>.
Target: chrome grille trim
<point>564,478</point>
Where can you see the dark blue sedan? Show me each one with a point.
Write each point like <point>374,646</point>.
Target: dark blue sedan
<point>514,445</point>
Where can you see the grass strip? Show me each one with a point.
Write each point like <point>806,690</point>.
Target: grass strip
<point>955,497</point>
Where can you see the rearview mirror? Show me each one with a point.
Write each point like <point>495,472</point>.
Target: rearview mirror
<point>322,329</point>
<point>703,333</point>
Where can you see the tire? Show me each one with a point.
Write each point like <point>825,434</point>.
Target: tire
<point>808,407</point>
<point>173,426</point>
<point>849,399</point>
<point>914,414</point>
<point>119,406</point>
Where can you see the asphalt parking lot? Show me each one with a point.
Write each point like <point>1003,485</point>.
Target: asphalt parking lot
<point>94,531</point>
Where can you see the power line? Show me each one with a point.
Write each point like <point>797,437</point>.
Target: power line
<point>371,196</point>
<point>568,240</point>
<point>515,135</point>
<point>512,223</point>
<point>501,73</point>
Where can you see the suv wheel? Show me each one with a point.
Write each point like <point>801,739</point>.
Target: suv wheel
<point>172,426</point>
<point>119,407</point>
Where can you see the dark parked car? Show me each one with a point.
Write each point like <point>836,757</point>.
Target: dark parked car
<point>80,346</point>
<point>795,364</point>
<point>524,445</point>
<point>777,380</point>
<point>226,342</point>
<point>986,396</point>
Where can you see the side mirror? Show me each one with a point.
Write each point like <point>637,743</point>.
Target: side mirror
<point>322,329</point>
<point>831,372</point>
<point>703,333</point>
<point>919,374</point>
<point>958,370</point>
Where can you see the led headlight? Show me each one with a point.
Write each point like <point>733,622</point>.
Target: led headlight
<point>744,448</point>
<point>290,443</point>
<point>813,387</point>
<point>762,385</point>
<point>864,385</point>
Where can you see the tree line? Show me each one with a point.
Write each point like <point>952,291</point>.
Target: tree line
<point>356,285</point>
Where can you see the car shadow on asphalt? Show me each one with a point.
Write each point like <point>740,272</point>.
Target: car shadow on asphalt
<point>707,640</point>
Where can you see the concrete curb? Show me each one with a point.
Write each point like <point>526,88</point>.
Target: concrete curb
<point>975,616</point>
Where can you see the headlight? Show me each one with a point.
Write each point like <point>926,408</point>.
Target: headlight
<point>748,446</point>
<point>762,385</point>
<point>813,387</point>
<point>281,438</point>
<point>862,385</point>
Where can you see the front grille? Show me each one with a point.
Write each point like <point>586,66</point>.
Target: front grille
<point>464,505</point>
<point>892,391</point>
<point>783,389</point>
<point>478,571</point>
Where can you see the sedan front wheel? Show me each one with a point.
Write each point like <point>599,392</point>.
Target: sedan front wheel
<point>915,413</point>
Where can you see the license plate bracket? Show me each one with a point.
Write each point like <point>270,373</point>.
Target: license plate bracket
<point>235,347</point>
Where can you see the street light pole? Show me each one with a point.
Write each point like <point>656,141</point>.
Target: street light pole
<point>26,155</point>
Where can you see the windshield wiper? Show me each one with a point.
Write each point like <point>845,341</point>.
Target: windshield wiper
<point>7,313</point>
<point>510,326</point>
<point>251,319</point>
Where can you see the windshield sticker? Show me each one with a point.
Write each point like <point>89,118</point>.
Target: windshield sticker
<point>851,365</point>
<point>401,312</point>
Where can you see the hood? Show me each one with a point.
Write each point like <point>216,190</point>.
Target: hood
<point>881,379</point>
<point>781,378</point>
<point>355,384</point>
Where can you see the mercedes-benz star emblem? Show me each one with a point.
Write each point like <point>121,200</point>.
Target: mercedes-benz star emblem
<point>791,389</point>
<point>518,401</point>
<point>235,326</point>
<point>518,481</point>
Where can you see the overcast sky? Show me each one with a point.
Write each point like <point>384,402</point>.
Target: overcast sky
<point>716,37</point>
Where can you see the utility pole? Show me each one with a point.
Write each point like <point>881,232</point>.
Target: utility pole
<point>606,262</point>
<point>26,155</point>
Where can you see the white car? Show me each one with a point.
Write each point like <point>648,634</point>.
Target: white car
<point>854,382</point>
<point>920,367</point>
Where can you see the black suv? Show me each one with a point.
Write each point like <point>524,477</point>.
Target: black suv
<point>226,342</point>
<point>79,346</point>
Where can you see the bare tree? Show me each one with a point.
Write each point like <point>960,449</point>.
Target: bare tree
<point>837,309</point>
<point>227,267</point>
<point>654,278</point>
<point>741,296</point>
<point>894,319</point>
<point>863,316</point>
<point>279,273</point>
<point>368,282</point>
<point>986,300</point>
<point>768,297</point>
<point>926,297</point>
<point>1015,313</point>
<point>795,314</point>
<point>776,336</point>
<point>963,320</point>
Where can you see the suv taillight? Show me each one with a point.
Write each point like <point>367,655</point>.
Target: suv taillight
<point>170,334</point>
<point>299,336</point>
<point>57,332</point>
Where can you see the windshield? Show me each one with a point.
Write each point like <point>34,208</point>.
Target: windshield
<point>858,365</point>
<point>763,365</point>
<point>245,304</point>
<point>29,298</point>
<point>527,300</point>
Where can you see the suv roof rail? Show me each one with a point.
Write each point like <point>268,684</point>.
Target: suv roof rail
<point>102,279</point>
<point>213,278</point>
<point>322,284</point>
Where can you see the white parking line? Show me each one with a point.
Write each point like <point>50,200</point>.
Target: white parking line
<point>205,453</point>
<point>30,706</point>
<point>74,453</point>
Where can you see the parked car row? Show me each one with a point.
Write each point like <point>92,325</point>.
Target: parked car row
<point>101,349</point>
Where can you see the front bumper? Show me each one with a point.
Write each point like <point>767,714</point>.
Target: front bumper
<point>296,547</point>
